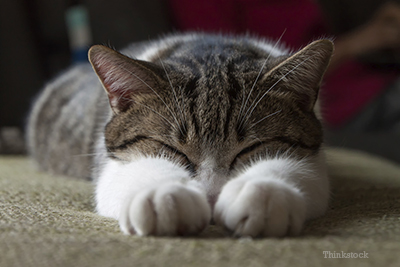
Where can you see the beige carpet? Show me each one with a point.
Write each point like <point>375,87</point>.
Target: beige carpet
<point>49,221</point>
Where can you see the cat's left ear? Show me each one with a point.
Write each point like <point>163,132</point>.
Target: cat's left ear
<point>301,74</point>
<point>124,79</point>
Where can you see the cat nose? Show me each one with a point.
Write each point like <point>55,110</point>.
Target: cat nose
<point>212,199</point>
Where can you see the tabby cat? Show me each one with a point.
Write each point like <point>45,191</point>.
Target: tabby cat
<point>191,128</point>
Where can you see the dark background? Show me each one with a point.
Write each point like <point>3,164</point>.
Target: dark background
<point>34,47</point>
<point>34,42</point>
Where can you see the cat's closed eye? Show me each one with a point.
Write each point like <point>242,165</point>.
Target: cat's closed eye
<point>244,152</point>
<point>183,158</point>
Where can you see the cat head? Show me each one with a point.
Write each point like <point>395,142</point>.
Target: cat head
<point>214,104</point>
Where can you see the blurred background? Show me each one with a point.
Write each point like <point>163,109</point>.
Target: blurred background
<point>361,93</point>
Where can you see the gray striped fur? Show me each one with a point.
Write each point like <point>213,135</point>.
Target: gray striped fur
<point>66,126</point>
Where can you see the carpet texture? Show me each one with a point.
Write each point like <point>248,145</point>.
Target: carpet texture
<point>49,221</point>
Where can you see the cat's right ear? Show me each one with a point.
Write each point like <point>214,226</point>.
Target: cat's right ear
<point>301,73</point>
<point>123,78</point>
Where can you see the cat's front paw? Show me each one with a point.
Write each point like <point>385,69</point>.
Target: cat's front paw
<point>167,209</point>
<point>259,207</point>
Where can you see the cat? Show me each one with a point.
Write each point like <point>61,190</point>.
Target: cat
<point>191,128</point>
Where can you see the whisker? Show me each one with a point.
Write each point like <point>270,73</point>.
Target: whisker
<point>280,79</point>
<point>243,97</point>
<point>254,137</point>
<point>184,108</point>
<point>173,90</point>
<point>259,74</point>
<point>137,77</point>
<point>173,126</point>
<point>265,118</point>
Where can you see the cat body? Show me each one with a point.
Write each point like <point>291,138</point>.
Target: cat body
<point>191,127</point>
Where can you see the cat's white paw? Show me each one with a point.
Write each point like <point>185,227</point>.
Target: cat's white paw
<point>167,209</point>
<point>260,207</point>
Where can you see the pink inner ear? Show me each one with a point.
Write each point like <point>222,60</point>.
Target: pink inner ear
<point>116,77</point>
<point>118,82</point>
<point>123,78</point>
<point>120,101</point>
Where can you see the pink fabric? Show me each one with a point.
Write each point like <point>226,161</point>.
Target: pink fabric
<point>346,90</point>
<point>299,20</point>
<point>349,88</point>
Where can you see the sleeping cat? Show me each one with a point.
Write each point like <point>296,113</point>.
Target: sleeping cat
<point>191,128</point>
